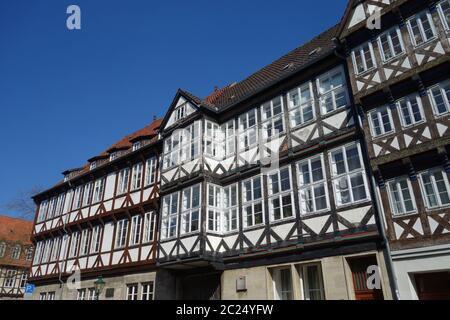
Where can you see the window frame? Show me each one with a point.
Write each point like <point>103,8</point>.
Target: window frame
<point>302,105</point>
<point>388,35</point>
<point>280,195</point>
<point>151,167</point>
<point>121,240</point>
<point>146,294</point>
<point>444,20</point>
<point>401,115</point>
<point>343,87</point>
<point>378,111</point>
<point>149,227</point>
<point>137,176</point>
<point>446,99</point>
<point>169,216</point>
<point>360,50</point>
<point>122,183</point>
<point>246,133</point>
<point>312,184</point>
<point>98,190</point>
<point>431,172</point>
<point>187,212</point>
<point>133,294</point>
<point>392,205</point>
<point>96,242</point>
<point>252,203</point>
<point>136,230</point>
<point>416,17</point>
<point>268,123</point>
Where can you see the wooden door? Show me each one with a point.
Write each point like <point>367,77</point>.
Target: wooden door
<point>359,268</point>
<point>433,286</point>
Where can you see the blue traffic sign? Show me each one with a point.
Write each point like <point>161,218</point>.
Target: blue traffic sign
<point>29,288</point>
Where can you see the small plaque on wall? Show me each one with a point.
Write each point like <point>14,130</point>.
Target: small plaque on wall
<point>241,284</point>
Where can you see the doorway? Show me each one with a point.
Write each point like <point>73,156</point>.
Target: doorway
<point>359,267</point>
<point>433,286</point>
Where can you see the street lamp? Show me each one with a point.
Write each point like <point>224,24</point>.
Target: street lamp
<point>99,284</point>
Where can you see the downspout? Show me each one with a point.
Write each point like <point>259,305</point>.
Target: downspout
<point>374,190</point>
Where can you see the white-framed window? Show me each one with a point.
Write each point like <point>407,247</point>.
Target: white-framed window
<point>391,44</point>
<point>78,198</point>
<point>170,216</point>
<point>15,252</point>
<point>132,291</point>
<point>183,145</point>
<point>313,192</point>
<point>74,244</point>
<point>147,291</point>
<point>43,296</point>
<point>93,165</point>
<point>2,249</point>
<point>121,233</point>
<point>99,187</point>
<point>301,105</point>
<point>122,185</point>
<point>23,279</point>
<point>444,13</point>
<point>281,197</point>
<point>190,210</point>
<point>228,130</point>
<point>56,249</point>
<point>136,228</point>
<point>60,204</point>
<point>401,196</point>
<point>136,179</point>
<point>150,171</point>
<point>96,239</point>
<point>92,294</point>
<point>149,227</point>
<point>214,207</point>
<point>363,58</point>
<point>410,110</point>
<point>28,253</point>
<point>47,251</point>
<point>282,283</point>
<point>87,196</point>
<point>348,174</point>
<point>230,209</point>
<point>440,98</point>
<point>43,211</point>
<point>38,254</point>
<point>214,146</point>
<point>253,204</point>
<point>421,28</point>
<point>51,296</point>
<point>435,188</point>
<point>272,121</point>
<point>172,149</point>
<point>137,145</point>
<point>52,207</point>
<point>332,90</point>
<point>84,247</point>
<point>113,156</point>
<point>248,131</point>
<point>81,294</point>
<point>381,122</point>
<point>312,282</point>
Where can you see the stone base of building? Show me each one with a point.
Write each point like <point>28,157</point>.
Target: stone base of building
<point>423,273</point>
<point>329,278</point>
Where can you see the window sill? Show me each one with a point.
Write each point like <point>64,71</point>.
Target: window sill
<point>413,125</point>
<point>315,213</point>
<point>383,136</point>
<point>255,227</point>
<point>282,221</point>
<point>404,215</point>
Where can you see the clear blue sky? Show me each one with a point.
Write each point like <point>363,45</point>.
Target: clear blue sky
<point>66,95</point>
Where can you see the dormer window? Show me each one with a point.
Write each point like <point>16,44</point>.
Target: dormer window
<point>137,145</point>
<point>66,178</point>
<point>113,156</point>
<point>93,165</point>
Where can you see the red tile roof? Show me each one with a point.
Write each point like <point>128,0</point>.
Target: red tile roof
<point>15,230</point>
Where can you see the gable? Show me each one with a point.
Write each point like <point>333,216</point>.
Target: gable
<point>363,10</point>
<point>181,109</point>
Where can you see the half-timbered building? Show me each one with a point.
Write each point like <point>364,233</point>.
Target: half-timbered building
<point>400,75</point>
<point>265,187</point>
<point>100,221</point>
<point>16,252</point>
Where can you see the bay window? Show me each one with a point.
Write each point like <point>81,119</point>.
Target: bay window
<point>410,110</point>
<point>136,228</point>
<point>248,131</point>
<point>169,216</point>
<point>313,192</point>
<point>136,179</point>
<point>214,207</point>
<point>400,196</point>
<point>213,140</point>
<point>281,198</point>
<point>123,181</point>
<point>182,145</point>
<point>253,202</point>
<point>230,209</point>
<point>435,188</point>
<point>190,213</point>
<point>421,28</point>
<point>363,58</point>
<point>301,105</point>
<point>391,44</point>
<point>332,90</point>
<point>121,233</point>
<point>98,190</point>
<point>272,118</point>
<point>440,98</point>
<point>381,121</point>
<point>229,136</point>
<point>150,171</point>
<point>348,174</point>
